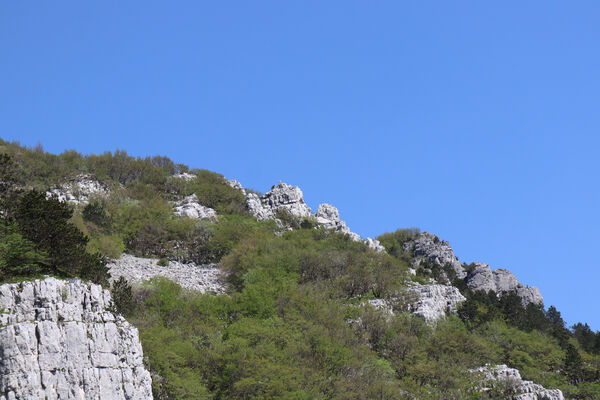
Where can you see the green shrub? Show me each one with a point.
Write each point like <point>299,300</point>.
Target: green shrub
<point>163,262</point>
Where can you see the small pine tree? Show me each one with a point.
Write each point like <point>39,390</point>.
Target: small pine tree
<point>122,296</point>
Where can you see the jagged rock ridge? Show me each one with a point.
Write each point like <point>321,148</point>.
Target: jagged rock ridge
<point>291,199</point>
<point>428,248</point>
<point>204,278</point>
<point>511,379</point>
<point>58,340</point>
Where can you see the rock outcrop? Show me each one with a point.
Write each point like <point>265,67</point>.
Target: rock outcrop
<point>428,248</point>
<point>291,199</point>
<point>481,277</point>
<point>79,190</point>
<point>204,278</point>
<point>189,207</point>
<point>185,176</point>
<point>58,340</point>
<point>434,302</point>
<point>515,387</point>
<point>430,302</point>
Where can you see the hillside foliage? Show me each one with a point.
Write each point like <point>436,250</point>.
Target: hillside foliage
<point>295,323</point>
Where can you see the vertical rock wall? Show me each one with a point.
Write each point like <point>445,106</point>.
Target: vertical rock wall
<point>58,340</point>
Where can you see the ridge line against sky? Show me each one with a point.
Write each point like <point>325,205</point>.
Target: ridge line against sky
<point>476,122</point>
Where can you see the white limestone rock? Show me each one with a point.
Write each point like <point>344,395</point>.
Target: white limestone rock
<point>429,248</point>
<point>518,389</point>
<point>284,196</point>
<point>328,217</point>
<point>185,176</point>
<point>481,277</point>
<point>58,340</point>
<point>434,302</point>
<point>79,190</point>
<point>204,278</point>
<point>189,207</point>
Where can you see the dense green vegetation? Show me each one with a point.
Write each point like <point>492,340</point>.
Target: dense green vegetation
<point>294,324</point>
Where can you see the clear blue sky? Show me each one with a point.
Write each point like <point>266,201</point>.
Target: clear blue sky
<point>476,121</point>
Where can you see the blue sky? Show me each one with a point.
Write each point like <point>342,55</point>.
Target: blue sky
<point>476,121</point>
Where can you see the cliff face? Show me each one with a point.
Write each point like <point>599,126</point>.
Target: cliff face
<point>58,340</point>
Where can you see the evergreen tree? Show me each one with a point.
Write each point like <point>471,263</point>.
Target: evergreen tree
<point>45,222</point>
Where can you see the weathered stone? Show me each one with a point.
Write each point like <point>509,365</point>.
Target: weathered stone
<point>189,207</point>
<point>481,277</point>
<point>290,198</point>
<point>204,278</point>
<point>428,248</point>
<point>518,389</point>
<point>58,340</point>
<point>185,176</point>
<point>329,218</point>
<point>434,302</point>
<point>79,190</point>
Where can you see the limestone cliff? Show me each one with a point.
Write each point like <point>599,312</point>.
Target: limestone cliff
<point>58,340</point>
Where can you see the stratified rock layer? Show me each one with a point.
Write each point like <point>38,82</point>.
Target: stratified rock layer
<point>204,278</point>
<point>510,378</point>
<point>59,341</point>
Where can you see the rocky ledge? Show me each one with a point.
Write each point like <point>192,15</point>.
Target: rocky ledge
<point>515,387</point>
<point>204,278</point>
<point>58,340</point>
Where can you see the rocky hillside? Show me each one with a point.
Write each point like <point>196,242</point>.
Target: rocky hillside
<point>239,295</point>
<point>60,340</point>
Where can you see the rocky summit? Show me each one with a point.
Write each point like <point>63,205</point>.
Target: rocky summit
<point>59,340</point>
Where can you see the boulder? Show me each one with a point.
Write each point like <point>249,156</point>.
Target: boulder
<point>59,340</point>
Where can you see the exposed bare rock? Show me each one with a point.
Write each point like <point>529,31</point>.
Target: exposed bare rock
<point>189,207</point>
<point>58,340</point>
<point>434,302</point>
<point>430,302</point>
<point>204,278</point>
<point>516,388</point>
<point>329,217</point>
<point>185,176</point>
<point>481,277</point>
<point>374,244</point>
<point>290,198</point>
<point>79,190</point>
<point>428,248</point>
